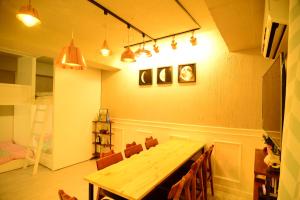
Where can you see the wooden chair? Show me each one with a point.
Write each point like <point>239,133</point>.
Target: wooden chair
<point>130,144</point>
<point>183,185</point>
<point>133,150</point>
<point>63,196</point>
<point>198,168</point>
<point>209,174</point>
<point>105,162</point>
<point>104,154</point>
<point>151,143</point>
<point>109,160</point>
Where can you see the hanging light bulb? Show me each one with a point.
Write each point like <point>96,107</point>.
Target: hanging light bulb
<point>193,40</point>
<point>174,43</point>
<point>128,55</point>
<point>28,15</point>
<point>70,57</point>
<point>105,51</point>
<point>155,47</point>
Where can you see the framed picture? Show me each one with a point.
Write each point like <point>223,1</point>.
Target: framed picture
<point>103,115</point>
<point>164,75</point>
<point>145,77</point>
<point>187,73</point>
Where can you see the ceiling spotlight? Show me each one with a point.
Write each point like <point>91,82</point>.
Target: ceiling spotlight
<point>128,55</point>
<point>71,58</point>
<point>174,43</point>
<point>28,15</point>
<point>193,40</point>
<point>155,47</point>
<point>138,51</point>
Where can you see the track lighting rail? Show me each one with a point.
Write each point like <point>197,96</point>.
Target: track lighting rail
<point>164,37</point>
<point>187,12</point>
<point>119,18</point>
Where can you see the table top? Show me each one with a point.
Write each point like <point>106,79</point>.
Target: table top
<point>135,177</point>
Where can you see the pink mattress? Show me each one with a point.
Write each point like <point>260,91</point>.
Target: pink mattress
<point>10,151</point>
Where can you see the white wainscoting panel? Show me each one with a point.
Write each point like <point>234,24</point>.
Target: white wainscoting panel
<point>231,169</point>
<point>233,156</point>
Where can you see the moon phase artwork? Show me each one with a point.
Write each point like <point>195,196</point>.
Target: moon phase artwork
<point>187,73</point>
<point>145,77</point>
<point>164,75</point>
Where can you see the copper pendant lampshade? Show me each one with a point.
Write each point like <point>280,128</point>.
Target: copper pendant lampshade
<point>128,56</point>
<point>70,58</point>
<point>28,15</point>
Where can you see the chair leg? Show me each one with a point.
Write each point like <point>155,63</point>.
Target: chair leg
<point>100,194</point>
<point>212,185</point>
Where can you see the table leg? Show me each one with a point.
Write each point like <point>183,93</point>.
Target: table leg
<point>91,191</point>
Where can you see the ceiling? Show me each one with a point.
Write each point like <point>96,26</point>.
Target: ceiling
<point>238,21</point>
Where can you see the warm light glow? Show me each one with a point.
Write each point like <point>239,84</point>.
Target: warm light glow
<point>174,44</point>
<point>28,15</point>
<point>105,51</point>
<point>71,58</point>
<point>155,48</point>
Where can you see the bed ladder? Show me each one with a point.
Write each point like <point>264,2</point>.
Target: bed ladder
<point>33,152</point>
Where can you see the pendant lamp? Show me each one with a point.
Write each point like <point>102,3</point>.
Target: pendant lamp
<point>71,58</point>
<point>105,51</point>
<point>128,56</point>
<point>28,15</point>
<point>142,52</point>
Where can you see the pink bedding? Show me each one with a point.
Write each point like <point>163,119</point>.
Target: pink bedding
<point>10,151</point>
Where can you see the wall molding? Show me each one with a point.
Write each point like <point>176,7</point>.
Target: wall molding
<point>192,128</point>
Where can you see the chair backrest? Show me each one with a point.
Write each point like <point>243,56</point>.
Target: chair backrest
<point>109,160</point>
<point>149,138</point>
<point>104,154</point>
<point>198,181</point>
<point>133,150</point>
<point>130,144</point>
<point>64,196</point>
<point>151,143</point>
<point>208,156</point>
<point>183,185</point>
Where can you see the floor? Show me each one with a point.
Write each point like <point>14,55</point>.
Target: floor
<point>20,184</point>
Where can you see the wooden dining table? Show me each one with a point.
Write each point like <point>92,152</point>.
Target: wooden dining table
<point>137,176</point>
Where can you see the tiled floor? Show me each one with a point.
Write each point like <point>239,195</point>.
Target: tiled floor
<point>21,185</point>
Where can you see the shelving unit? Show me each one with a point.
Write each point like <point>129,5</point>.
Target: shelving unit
<point>102,137</point>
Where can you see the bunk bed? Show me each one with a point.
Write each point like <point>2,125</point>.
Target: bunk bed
<point>15,94</point>
<point>12,155</point>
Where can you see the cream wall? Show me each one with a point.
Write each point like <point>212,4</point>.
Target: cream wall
<point>76,104</point>
<point>223,107</point>
<point>289,186</point>
<point>227,92</point>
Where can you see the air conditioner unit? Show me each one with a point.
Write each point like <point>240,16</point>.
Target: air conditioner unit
<point>275,26</point>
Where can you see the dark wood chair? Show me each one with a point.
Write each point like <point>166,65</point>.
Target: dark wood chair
<point>130,144</point>
<point>104,154</point>
<point>105,162</point>
<point>151,143</point>
<point>133,150</point>
<point>209,173</point>
<point>198,182</point>
<point>183,185</point>
<point>64,196</point>
<point>109,160</point>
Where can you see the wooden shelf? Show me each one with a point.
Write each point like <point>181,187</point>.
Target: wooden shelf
<point>103,145</point>
<point>95,132</point>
